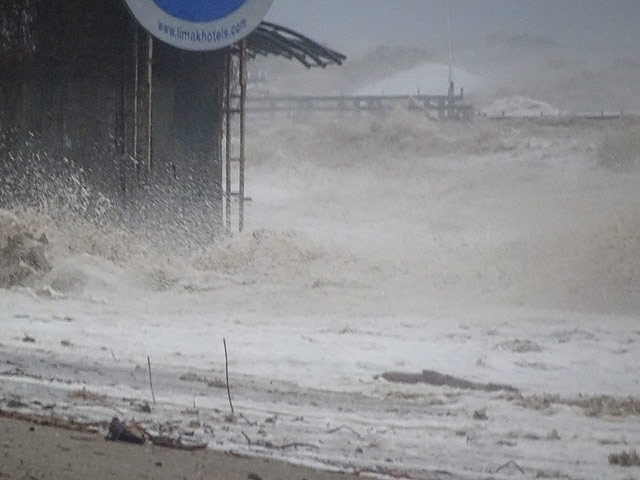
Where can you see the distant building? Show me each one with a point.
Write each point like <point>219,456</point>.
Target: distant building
<point>81,80</point>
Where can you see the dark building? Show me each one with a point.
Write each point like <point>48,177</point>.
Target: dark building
<point>84,88</point>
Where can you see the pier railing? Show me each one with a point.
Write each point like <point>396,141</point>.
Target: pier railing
<point>444,106</point>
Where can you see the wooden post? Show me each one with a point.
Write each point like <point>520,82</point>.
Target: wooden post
<point>121,126</point>
<point>149,104</point>
<point>134,151</point>
<point>227,162</point>
<point>243,97</point>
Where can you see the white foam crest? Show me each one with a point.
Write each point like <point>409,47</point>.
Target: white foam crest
<point>490,212</point>
<point>382,215</point>
<point>519,106</point>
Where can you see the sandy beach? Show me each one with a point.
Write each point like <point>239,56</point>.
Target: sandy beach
<point>30,451</point>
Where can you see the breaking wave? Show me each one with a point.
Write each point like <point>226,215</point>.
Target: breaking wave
<point>368,215</point>
<point>22,251</point>
<point>98,262</point>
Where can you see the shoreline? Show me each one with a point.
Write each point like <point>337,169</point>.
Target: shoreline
<point>35,450</point>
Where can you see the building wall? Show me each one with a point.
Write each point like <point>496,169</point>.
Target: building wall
<point>67,86</point>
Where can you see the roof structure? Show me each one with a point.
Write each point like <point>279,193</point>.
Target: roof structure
<point>272,39</point>
<point>18,18</point>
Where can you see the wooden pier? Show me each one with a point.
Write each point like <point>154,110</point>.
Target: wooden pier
<point>446,107</point>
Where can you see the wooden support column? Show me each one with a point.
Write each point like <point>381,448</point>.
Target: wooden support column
<point>121,127</point>
<point>243,98</point>
<point>136,74</point>
<point>149,159</point>
<point>134,112</point>
<point>227,120</point>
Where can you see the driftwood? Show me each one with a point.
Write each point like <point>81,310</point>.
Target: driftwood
<point>247,439</point>
<point>625,459</point>
<point>176,443</point>
<point>285,446</point>
<point>345,427</point>
<point>432,377</point>
<point>403,474</point>
<point>249,422</point>
<point>118,432</point>
<point>273,446</point>
<point>510,463</point>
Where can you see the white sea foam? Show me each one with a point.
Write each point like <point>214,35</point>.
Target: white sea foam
<point>491,213</point>
<point>497,252</point>
<point>429,78</point>
<point>519,106</point>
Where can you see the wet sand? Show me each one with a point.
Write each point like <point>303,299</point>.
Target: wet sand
<point>38,452</point>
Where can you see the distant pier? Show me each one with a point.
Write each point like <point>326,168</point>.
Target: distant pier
<point>446,107</point>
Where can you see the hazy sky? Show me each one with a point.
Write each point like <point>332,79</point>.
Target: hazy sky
<point>351,25</point>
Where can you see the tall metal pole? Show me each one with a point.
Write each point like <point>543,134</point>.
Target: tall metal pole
<point>243,98</point>
<point>227,162</point>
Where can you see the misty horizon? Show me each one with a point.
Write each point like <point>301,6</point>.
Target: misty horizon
<point>577,55</point>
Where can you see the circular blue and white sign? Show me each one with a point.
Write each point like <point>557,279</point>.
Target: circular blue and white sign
<point>199,24</point>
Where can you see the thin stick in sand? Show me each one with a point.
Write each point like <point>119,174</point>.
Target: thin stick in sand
<point>226,368</point>
<point>150,381</point>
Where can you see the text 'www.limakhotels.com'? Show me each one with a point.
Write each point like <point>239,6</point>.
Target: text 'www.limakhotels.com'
<point>202,35</point>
